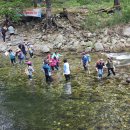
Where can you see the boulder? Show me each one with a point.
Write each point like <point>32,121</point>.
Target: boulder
<point>82,43</point>
<point>128,40</point>
<point>42,48</point>
<point>59,38</point>
<point>3,48</point>
<point>126,32</point>
<point>39,36</point>
<point>88,49</point>
<point>89,44</point>
<point>114,41</point>
<point>105,39</point>
<point>57,46</point>
<point>45,49</point>
<point>123,40</point>
<point>128,80</point>
<point>76,44</point>
<point>99,46</point>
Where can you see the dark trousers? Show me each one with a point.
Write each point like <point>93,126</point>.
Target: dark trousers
<point>85,67</point>
<point>67,77</point>
<point>29,76</point>
<point>13,61</point>
<point>54,67</point>
<point>48,78</point>
<point>31,55</point>
<point>111,70</point>
<point>3,36</point>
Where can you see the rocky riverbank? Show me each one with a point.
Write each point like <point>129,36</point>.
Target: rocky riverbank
<point>71,39</point>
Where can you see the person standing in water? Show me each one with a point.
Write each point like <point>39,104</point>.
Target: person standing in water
<point>29,70</point>
<point>85,61</point>
<point>12,57</point>
<point>110,67</point>
<point>47,70</point>
<point>66,69</point>
<point>99,67</point>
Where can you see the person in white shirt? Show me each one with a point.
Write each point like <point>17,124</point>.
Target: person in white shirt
<point>66,70</point>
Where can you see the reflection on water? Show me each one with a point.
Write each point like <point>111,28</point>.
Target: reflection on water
<point>6,122</point>
<point>67,88</point>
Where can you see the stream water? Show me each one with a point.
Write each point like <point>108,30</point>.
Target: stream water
<point>85,103</point>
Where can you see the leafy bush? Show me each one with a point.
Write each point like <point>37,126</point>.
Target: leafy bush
<point>13,8</point>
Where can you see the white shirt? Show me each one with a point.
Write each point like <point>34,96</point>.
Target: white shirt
<point>11,29</point>
<point>66,68</point>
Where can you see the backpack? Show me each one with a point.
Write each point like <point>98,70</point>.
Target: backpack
<point>21,55</point>
<point>85,59</point>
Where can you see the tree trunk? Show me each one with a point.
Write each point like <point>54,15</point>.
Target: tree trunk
<point>48,13</point>
<point>117,4</point>
<point>35,3</point>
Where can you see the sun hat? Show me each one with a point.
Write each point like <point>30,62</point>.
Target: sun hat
<point>28,62</point>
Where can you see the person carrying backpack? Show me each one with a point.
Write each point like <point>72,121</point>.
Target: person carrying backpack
<point>30,50</point>
<point>110,67</point>
<point>21,56</point>
<point>12,57</point>
<point>85,61</point>
<point>99,67</point>
<point>47,70</point>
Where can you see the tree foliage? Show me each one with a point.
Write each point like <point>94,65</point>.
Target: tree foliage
<point>13,8</point>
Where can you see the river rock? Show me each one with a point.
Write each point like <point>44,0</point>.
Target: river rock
<point>128,40</point>
<point>82,43</point>
<point>99,46</point>
<point>123,40</point>
<point>76,44</point>
<point>126,32</point>
<point>39,36</point>
<point>57,46</point>
<point>128,80</point>
<point>42,48</point>
<point>89,44</point>
<point>3,48</point>
<point>59,38</point>
<point>105,39</point>
<point>88,49</point>
<point>45,49</point>
<point>114,41</point>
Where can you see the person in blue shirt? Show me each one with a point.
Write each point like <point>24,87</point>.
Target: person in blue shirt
<point>12,57</point>
<point>99,67</point>
<point>47,70</point>
<point>85,60</point>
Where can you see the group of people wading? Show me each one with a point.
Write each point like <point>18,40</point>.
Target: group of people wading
<point>100,65</point>
<point>52,61</point>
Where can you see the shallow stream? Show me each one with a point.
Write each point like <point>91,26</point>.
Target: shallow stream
<point>83,104</point>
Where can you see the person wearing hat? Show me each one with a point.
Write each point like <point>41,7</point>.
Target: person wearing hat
<point>47,70</point>
<point>99,68</point>
<point>20,55</point>
<point>110,66</point>
<point>29,70</point>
